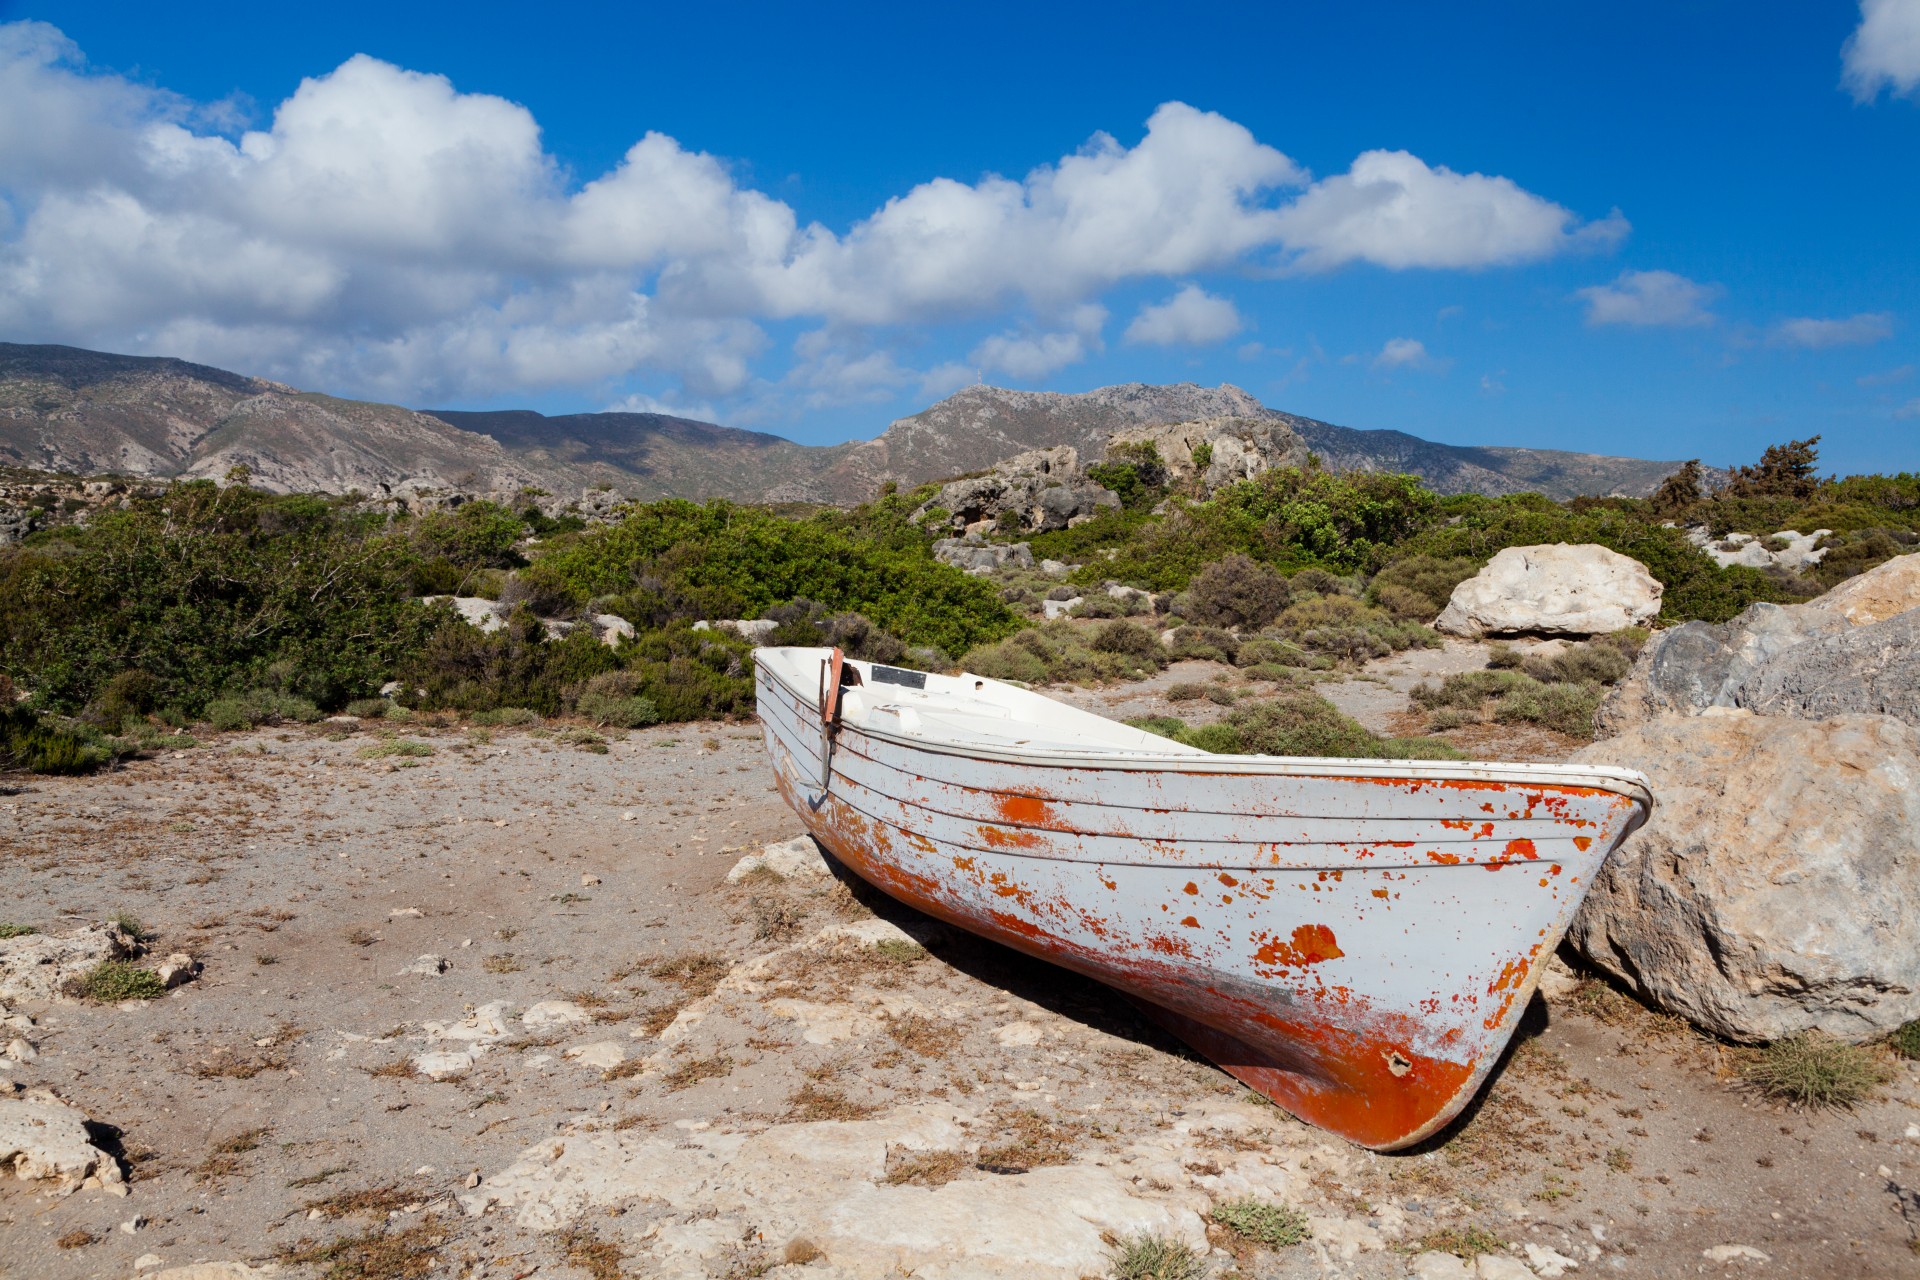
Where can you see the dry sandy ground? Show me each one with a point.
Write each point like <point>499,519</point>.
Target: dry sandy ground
<point>678,1077</point>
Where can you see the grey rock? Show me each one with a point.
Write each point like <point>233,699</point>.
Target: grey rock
<point>1236,448</point>
<point>753,630</point>
<point>1045,488</point>
<point>611,628</point>
<point>44,1140</point>
<point>427,966</point>
<point>486,615</point>
<point>978,556</point>
<point>36,967</point>
<point>1776,888</point>
<point>1875,668</point>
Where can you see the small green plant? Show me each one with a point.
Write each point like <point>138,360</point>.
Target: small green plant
<point>112,981</point>
<point>1150,1257</point>
<point>1814,1071</point>
<point>1906,1041</point>
<point>505,717</point>
<point>129,924</point>
<point>1274,1225</point>
<point>1465,1243</point>
<point>16,930</point>
<point>396,747</point>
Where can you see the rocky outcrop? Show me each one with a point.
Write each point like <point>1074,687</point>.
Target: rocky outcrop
<point>1212,452</point>
<point>1776,888</point>
<point>45,1142</point>
<point>36,967</point>
<point>1044,488</point>
<point>1854,649</point>
<point>975,554</point>
<point>1558,590</point>
<point>1787,550</point>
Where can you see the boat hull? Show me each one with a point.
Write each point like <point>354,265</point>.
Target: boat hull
<point>1357,945</point>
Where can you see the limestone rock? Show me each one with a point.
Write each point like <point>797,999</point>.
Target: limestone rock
<point>1873,668</point>
<point>44,1140</point>
<point>753,630</point>
<point>428,966</point>
<point>1234,448</point>
<point>178,968</point>
<point>1439,1266</point>
<point>214,1271</point>
<point>1889,588</point>
<point>1851,650</point>
<point>37,966</point>
<point>601,1054</point>
<point>486,615</point>
<point>1776,888</point>
<point>1045,488</point>
<point>976,555</point>
<point>1553,590</point>
<point>555,1013</point>
<point>796,859</point>
<point>611,628</point>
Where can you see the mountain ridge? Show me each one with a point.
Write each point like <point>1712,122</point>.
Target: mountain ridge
<point>68,409</point>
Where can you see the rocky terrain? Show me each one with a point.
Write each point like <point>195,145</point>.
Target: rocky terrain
<point>92,413</point>
<point>496,1004</point>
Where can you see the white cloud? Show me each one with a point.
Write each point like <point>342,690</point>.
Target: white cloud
<point>1393,210</point>
<point>1029,356</point>
<point>1911,409</point>
<point>1886,377</point>
<point>1491,385</point>
<point>389,234</point>
<point>642,402</point>
<point>1649,298</point>
<point>1191,317</point>
<point>1862,330</point>
<point>1408,353</point>
<point>1884,50</point>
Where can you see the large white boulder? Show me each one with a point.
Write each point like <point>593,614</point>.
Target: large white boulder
<point>1776,888</point>
<point>1561,589</point>
<point>44,1141</point>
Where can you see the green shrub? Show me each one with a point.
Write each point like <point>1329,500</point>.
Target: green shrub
<point>369,708</point>
<point>1565,707</point>
<point>130,695</point>
<point>1237,591</point>
<point>1274,1225</point>
<point>16,930</point>
<point>1416,588</point>
<point>261,706</point>
<point>506,716</point>
<point>1186,691</point>
<point>205,589</point>
<point>1296,723</point>
<point>1059,652</point>
<point>1814,1071</point>
<point>1906,1041</point>
<point>41,744</point>
<point>404,747</point>
<point>112,981</point>
<point>613,699</point>
<point>1346,630</point>
<point>1209,644</point>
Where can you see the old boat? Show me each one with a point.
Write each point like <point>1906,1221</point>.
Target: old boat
<point>1356,939</point>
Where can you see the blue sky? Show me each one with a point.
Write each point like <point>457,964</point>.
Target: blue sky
<point>1665,230</point>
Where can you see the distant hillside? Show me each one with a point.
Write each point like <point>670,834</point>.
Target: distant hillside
<point>65,409</point>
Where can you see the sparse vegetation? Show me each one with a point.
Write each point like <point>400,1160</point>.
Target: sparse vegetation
<point>1150,1257</point>
<point>112,981</point>
<point>1906,1041</point>
<point>1295,723</point>
<point>1814,1071</point>
<point>1466,1243</point>
<point>1275,1226</point>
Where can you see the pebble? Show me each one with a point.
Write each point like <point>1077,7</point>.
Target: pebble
<point>1735,1252</point>
<point>586,879</point>
<point>134,1223</point>
<point>427,966</point>
<point>147,1261</point>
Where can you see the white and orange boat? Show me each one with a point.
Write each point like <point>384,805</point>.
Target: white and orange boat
<point>1356,939</point>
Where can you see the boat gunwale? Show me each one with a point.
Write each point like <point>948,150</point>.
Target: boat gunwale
<point>1629,783</point>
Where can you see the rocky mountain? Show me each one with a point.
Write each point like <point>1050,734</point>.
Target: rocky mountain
<point>65,409</point>
<point>87,412</point>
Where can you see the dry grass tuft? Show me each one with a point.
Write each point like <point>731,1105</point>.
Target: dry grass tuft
<point>78,1238</point>
<point>925,1168</point>
<point>224,1160</point>
<point>1030,1141</point>
<point>599,1258</point>
<point>924,1036</point>
<point>812,1102</point>
<point>697,972</point>
<point>688,1074</point>
<point>1814,1071</point>
<point>376,1255</point>
<point>368,1202</point>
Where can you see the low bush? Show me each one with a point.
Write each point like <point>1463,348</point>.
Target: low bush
<point>1208,644</point>
<point>43,744</point>
<point>1236,591</point>
<point>1150,1257</point>
<point>1060,653</point>
<point>497,717</point>
<point>112,981</point>
<point>1906,1041</point>
<point>258,707</point>
<point>1296,723</point>
<point>1276,1226</point>
<point>1416,588</point>
<point>369,708</point>
<point>613,699</point>
<point>1347,630</point>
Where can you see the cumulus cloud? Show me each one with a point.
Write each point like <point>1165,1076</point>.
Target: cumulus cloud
<point>1191,317</point>
<point>1884,50</point>
<point>1649,298</point>
<point>1862,330</point>
<point>1911,409</point>
<point>1407,353</point>
<point>1394,210</point>
<point>1030,356</point>
<point>387,233</point>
